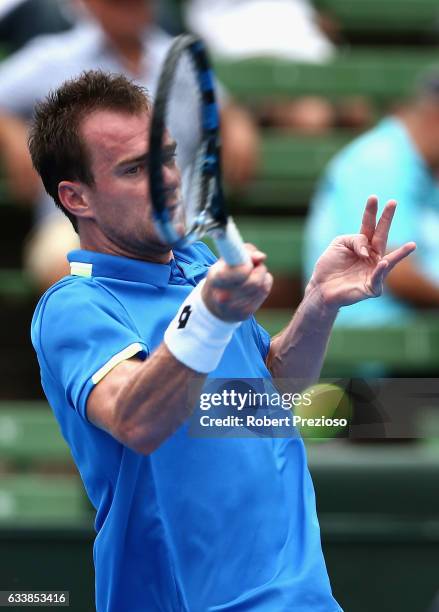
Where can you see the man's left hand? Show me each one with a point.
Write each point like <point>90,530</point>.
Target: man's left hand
<point>353,267</point>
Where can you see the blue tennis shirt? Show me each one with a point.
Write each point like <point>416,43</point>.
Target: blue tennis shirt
<point>199,525</point>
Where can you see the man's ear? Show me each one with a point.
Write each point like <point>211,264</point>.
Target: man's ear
<point>74,197</point>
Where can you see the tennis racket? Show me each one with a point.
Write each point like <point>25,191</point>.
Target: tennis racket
<point>185,108</point>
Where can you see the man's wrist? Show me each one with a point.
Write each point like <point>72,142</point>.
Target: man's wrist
<point>318,305</point>
<point>196,337</point>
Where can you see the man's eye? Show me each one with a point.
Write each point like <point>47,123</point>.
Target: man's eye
<point>133,169</point>
<point>168,159</point>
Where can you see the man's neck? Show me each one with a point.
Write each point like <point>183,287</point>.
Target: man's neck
<point>154,254</point>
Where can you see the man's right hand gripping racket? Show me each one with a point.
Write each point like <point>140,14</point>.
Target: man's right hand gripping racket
<point>185,104</point>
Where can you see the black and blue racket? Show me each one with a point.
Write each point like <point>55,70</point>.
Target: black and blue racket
<point>185,106</point>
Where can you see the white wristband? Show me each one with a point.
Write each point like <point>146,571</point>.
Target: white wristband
<point>195,336</point>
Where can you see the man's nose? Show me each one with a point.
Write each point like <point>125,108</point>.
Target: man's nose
<point>171,175</point>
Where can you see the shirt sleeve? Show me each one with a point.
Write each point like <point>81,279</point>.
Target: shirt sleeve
<point>80,332</point>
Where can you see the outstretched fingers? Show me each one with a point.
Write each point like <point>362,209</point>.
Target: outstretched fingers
<point>387,263</point>
<point>368,222</point>
<point>379,240</point>
<point>378,275</point>
<point>358,243</point>
<point>394,257</point>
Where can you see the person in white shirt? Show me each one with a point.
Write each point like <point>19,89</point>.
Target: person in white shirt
<point>290,30</point>
<point>287,29</point>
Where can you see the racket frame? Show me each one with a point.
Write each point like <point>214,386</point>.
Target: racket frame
<point>212,219</point>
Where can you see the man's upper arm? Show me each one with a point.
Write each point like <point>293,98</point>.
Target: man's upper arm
<point>81,333</point>
<point>103,399</point>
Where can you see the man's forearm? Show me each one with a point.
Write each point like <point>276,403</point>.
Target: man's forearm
<point>142,403</point>
<point>298,351</point>
<point>156,399</point>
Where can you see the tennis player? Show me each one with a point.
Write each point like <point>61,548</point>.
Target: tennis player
<point>183,524</point>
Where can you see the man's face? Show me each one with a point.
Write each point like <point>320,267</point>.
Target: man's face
<point>119,200</point>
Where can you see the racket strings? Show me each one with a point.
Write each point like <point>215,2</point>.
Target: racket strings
<point>185,104</point>
<point>184,121</point>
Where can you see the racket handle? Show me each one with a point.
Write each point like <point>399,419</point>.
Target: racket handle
<point>230,245</point>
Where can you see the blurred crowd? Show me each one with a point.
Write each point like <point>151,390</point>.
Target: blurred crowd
<point>48,41</point>
<point>397,159</point>
<point>111,35</point>
<point>45,42</point>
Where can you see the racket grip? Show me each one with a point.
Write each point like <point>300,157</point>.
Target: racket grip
<point>230,245</point>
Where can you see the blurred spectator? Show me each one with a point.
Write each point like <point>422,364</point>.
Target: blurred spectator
<point>285,29</point>
<point>113,35</point>
<point>22,20</point>
<point>398,159</point>
<point>252,28</point>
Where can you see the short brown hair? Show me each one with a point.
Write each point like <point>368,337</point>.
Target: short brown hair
<point>58,152</point>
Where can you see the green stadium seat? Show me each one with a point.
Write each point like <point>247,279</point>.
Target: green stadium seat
<point>382,75</point>
<point>40,485</point>
<point>400,479</point>
<point>392,16</point>
<point>280,238</point>
<point>379,516</point>
<point>42,500</point>
<point>29,433</point>
<point>406,349</point>
<point>290,168</point>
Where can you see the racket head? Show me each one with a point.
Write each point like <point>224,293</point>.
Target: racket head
<point>185,109</point>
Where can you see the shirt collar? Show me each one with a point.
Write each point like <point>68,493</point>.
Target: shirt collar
<point>90,263</point>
